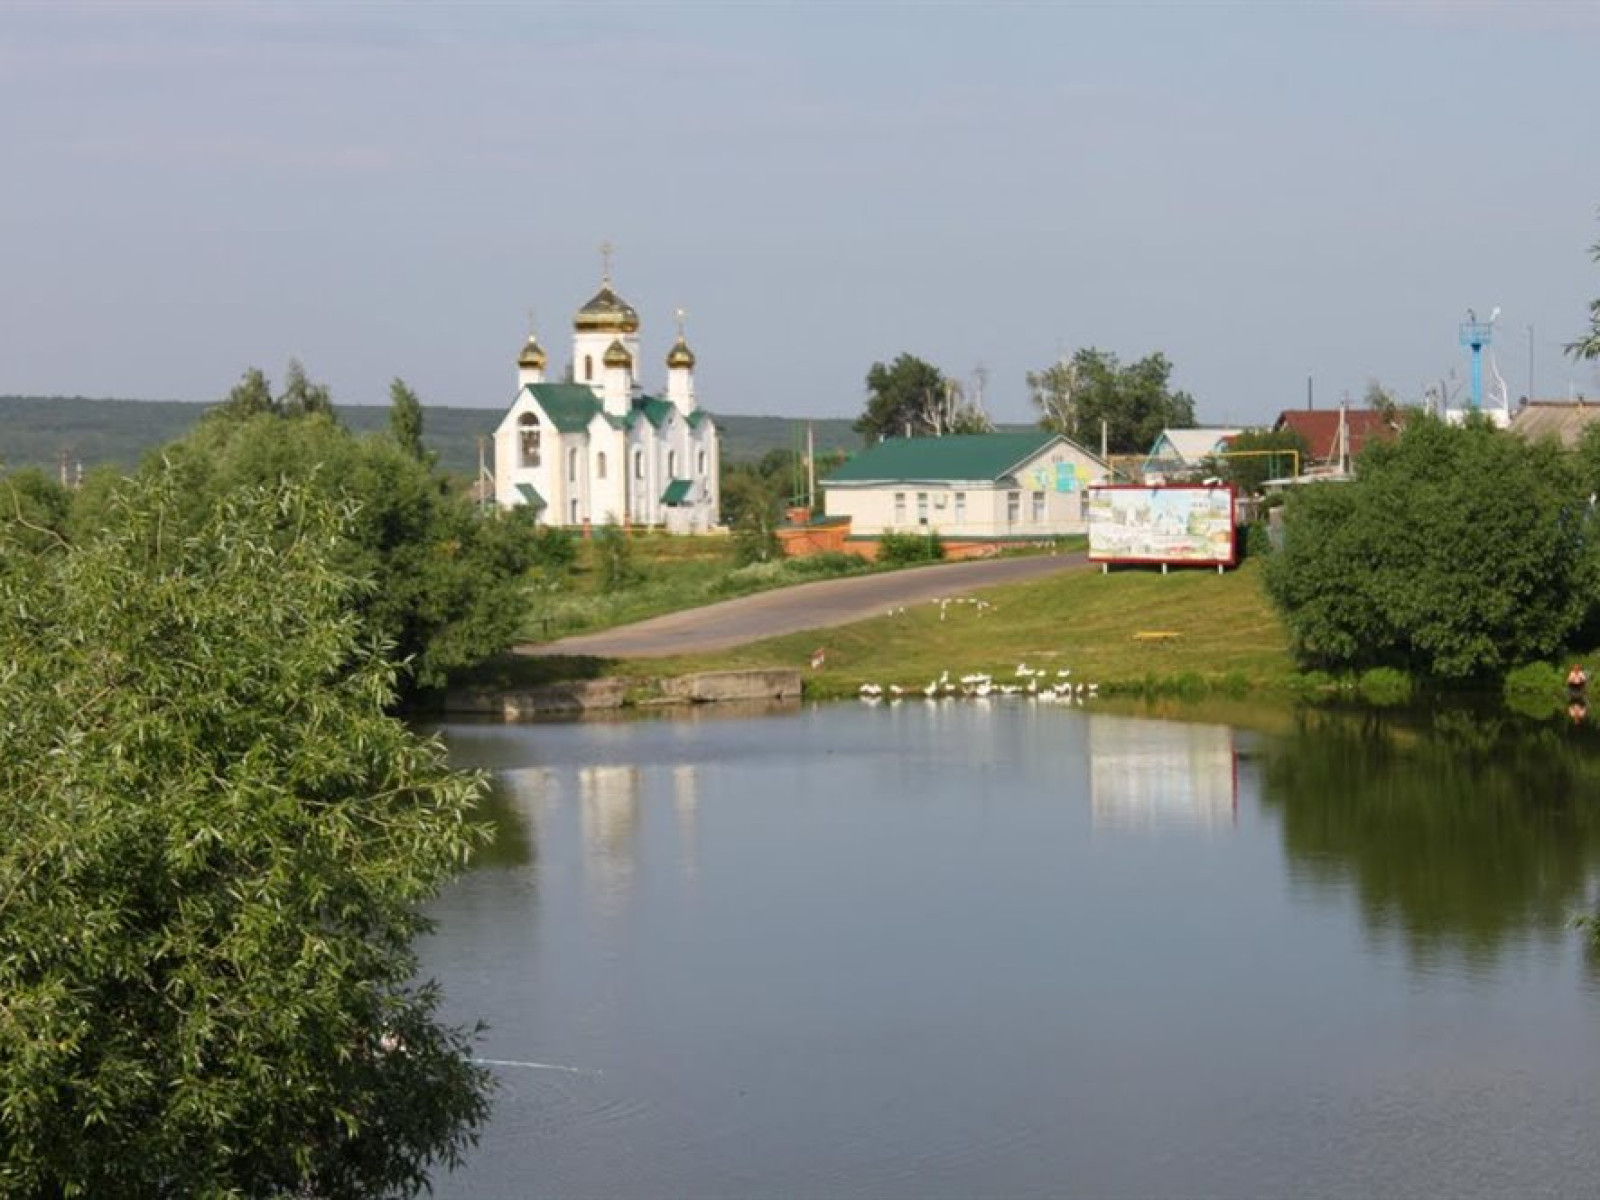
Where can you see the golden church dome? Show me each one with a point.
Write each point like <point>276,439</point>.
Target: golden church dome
<point>532,356</point>
<point>606,313</point>
<point>680,355</point>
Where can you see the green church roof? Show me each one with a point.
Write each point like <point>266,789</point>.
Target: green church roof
<point>970,456</point>
<point>570,406</point>
<point>652,408</point>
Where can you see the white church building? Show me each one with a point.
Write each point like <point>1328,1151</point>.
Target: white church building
<point>598,448</point>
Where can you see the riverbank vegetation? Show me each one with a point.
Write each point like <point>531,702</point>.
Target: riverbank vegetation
<point>447,581</point>
<point>213,845</point>
<point>1456,554</point>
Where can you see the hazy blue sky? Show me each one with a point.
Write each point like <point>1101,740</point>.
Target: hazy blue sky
<point>1262,192</point>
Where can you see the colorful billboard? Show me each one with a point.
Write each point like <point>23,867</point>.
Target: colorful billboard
<point>1180,524</point>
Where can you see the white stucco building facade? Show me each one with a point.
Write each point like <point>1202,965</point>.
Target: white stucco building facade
<point>983,487</point>
<point>598,448</point>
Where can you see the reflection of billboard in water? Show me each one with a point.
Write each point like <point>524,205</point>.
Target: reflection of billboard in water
<point>1161,524</point>
<point>1158,775</point>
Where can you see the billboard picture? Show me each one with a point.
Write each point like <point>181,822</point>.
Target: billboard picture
<point>1180,524</point>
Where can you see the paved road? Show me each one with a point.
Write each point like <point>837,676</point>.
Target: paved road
<point>819,605</point>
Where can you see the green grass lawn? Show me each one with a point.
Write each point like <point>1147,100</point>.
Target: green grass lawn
<point>1226,637</point>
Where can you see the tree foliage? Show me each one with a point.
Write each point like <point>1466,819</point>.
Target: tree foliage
<point>213,845</point>
<point>405,420</point>
<point>447,579</point>
<point>1134,402</point>
<point>1257,455</point>
<point>1456,553</point>
<point>1588,346</point>
<point>912,398</point>
<point>252,396</point>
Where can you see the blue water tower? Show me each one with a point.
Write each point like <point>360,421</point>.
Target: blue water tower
<point>1476,334</point>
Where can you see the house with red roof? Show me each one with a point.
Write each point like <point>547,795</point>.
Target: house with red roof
<point>1324,429</point>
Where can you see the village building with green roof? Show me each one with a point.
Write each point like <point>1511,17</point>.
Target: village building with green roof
<point>967,487</point>
<point>598,448</point>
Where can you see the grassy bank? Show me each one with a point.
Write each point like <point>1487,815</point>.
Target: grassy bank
<point>1217,633</point>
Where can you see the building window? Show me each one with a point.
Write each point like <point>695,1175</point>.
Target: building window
<point>572,464</point>
<point>1013,507</point>
<point>528,425</point>
<point>700,463</point>
<point>922,508</point>
<point>600,465</point>
<point>638,463</point>
<point>961,508</point>
<point>672,464</point>
<point>899,508</point>
<point>574,508</point>
<point>1038,508</point>
<point>588,368</point>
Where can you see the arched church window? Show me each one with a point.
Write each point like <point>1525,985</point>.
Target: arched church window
<point>572,464</point>
<point>700,463</point>
<point>600,465</point>
<point>672,464</point>
<point>588,368</point>
<point>638,463</point>
<point>528,426</point>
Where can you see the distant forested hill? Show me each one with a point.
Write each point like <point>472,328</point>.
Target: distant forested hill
<point>39,430</point>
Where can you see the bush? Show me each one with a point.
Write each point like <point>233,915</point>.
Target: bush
<point>553,548</point>
<point>1455,553</point>
<point>901,549</point>
<point>1536,680</point>
<point>614,554</point>
<point>1384,686</point>
<point>826,565</point>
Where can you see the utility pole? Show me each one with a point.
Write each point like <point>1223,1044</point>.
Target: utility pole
<point>1530,364</point>
<point>811,466</point>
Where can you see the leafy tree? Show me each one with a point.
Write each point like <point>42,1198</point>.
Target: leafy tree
<point>303,398</point>
<point>1589,345</point>
<point>1247,467</point>
<point>1380,399</point>
<point>250,397</point>
<point>213,846</point>
<point>447,579</point>
<point>405,420</point>
<point>1134,402</point>
<point>902,399</point>
<point>1455,553</point>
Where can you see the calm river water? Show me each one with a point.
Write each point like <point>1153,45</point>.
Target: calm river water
<point>965,950</point>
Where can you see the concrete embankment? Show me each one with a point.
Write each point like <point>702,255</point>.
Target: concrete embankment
<point>599,695</point>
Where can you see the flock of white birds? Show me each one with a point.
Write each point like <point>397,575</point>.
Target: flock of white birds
<point>1027,682</point>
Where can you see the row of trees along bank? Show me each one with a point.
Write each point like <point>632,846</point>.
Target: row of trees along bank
<point>214,834</point>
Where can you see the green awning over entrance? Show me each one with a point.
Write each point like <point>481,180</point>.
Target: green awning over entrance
<point>531,495</point>
<point>677,492</point>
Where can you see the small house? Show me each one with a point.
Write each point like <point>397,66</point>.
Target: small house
<point>982,487</point>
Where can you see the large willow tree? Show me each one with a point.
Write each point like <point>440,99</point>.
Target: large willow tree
<point>213,845</point>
